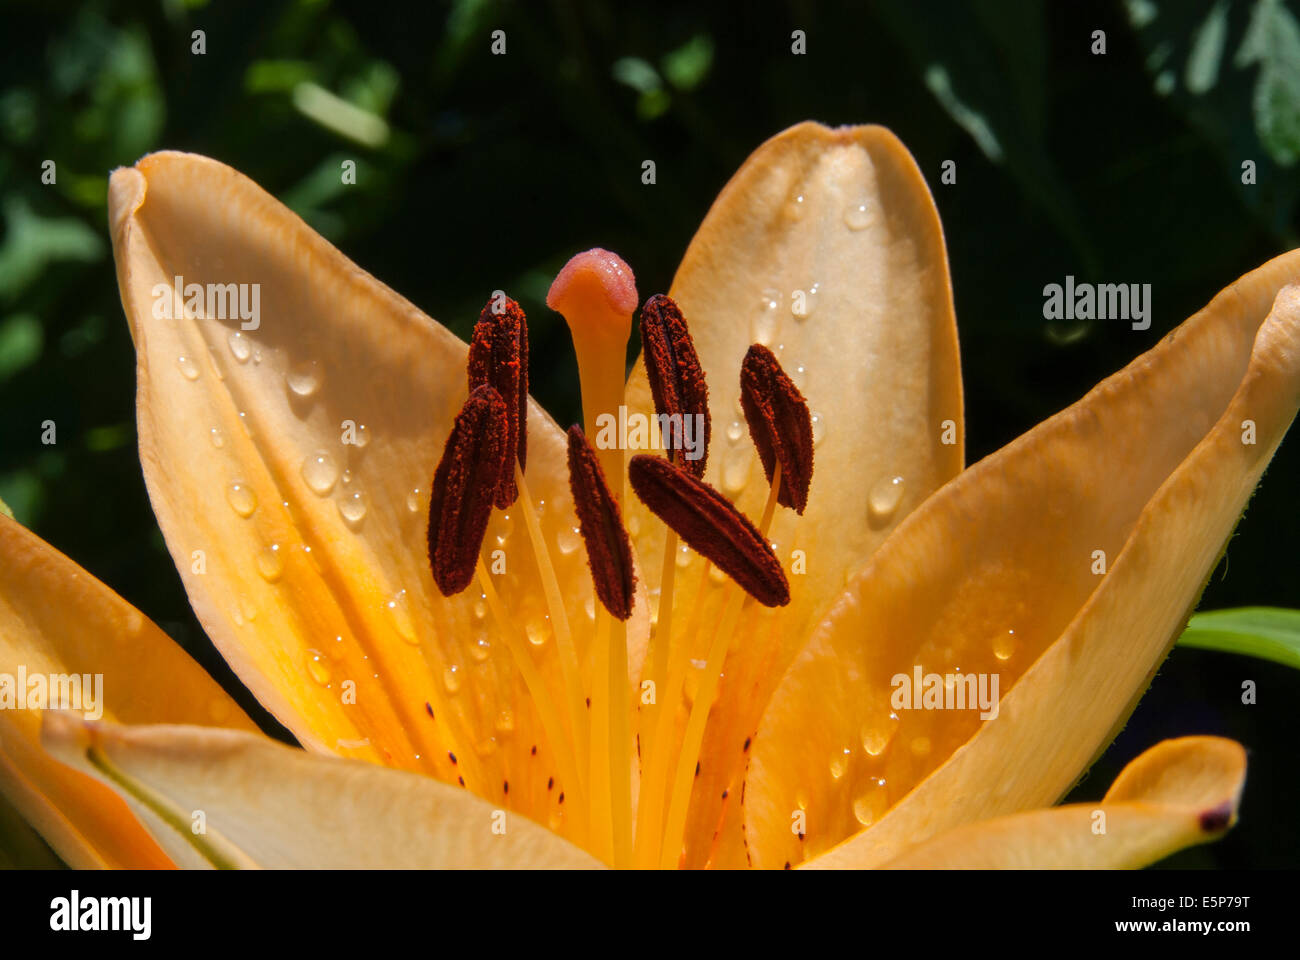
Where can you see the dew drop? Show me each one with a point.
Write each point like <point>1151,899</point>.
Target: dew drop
<point>317,667</point>
<point>795,207</point>
<point>876,735</point>
<point>538,630</point>
<point>818,428</point>
<point>481,607</point>
<point>320,472</point>
<point>568,539</point>
<point>589,606</point>
<point>871,805</point>
<point>247,608</point>
<point>481,649</point>
<point>240,347</point>
<point>858,216</point>
<point>241,499</point>
<point>451,678</point>
<point>304,378</point>
<point>1004,645</point>
<point>735,430</point>
<point>763,327</point>
<point>735,469</point>
<point>352,508</point>
<point>189,369</point>
<point>485,748</point>
<point>683,556</point>
<point>716,576</point>
<point>270,563</point>
<point>400,613</point>
<point>413,500</point>
<point>840,763</point>
<point>633,525</point>
<point>218,438</point>
<point>362,436</point>
<point>884,499</point>
<point>505,722</point>
<point>799,374</point>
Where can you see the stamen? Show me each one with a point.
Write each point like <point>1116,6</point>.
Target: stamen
<point>708,522</point>
<point>676,377</point>
<point>779,423</point>
<point>464,487</point>
<point>596,293</point>
<point>609,552</point>
<point>498,356</point>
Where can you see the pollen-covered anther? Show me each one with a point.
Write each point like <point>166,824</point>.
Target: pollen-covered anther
<point>498,357</point>
<point>779,423</point>
<point>609,552</point>
<point>711,526</point>
<point>676,379</point>
<point>464,487</point>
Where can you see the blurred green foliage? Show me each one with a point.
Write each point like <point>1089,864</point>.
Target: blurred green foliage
<point>477,172</point>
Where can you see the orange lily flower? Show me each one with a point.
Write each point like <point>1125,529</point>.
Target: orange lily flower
<point>590,696</point>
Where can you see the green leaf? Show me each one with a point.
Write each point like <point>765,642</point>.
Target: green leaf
<point>1270,633</point>
<point>1273,41</point>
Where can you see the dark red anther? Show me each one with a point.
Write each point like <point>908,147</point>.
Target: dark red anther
<point>676,378</point>
<point>498,356</point>
<point>779,424</point>
<point>464,486</point>
<point>707,521</point>
<point>609,552</point>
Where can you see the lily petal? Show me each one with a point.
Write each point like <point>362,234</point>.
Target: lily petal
<point>839,226</point>
<point>1001,574</point>
<point>294,449</point>
<point>1177,794</point>
<point>263,804</point>
<point>56,619</point>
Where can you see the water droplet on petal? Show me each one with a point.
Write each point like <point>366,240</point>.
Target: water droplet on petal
<point>505,722</point>
<point>218,438</point>
<point>876,735</point>
<point>319,472</point>
<point>735,430</point>
<point>317,667</point>
<point>352,508</point>
<point>270,563</point>
<point>683,556</point>
<point>481,649</point>
<point>858,216</point>
<point>451,678</point>
<point>735,469</point>
<point>304,378</point>
<point>189,369</point>
<point>818,428</point>
<point>399,610</point>
<point>871,805</point>
<point>884,499</point>
<point>362,436</point>
<point>840,763</point>
<point>1004,645</point>
<point>413,500</point>
<point>241,499</point>
<point>241,348</point>
<point>568,540</point>
<point>762,328</point>
<point>538,630</point>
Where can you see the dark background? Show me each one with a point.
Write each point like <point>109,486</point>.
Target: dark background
<point>493,170</point>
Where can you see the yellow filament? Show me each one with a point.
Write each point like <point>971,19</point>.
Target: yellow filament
<point>560,624</point>
<point>620,744</point>
<point>602,825</point>
<point>551,724</point>
<point>692,739</point>
<point>653,783</point>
